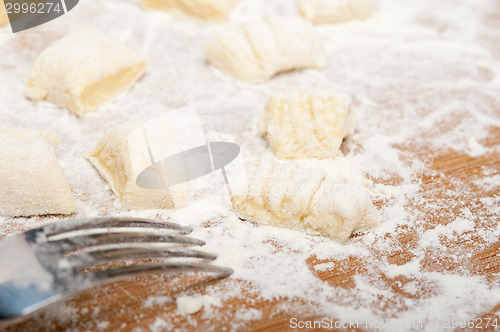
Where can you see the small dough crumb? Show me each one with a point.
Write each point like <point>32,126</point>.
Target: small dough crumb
<point>336,11</point>
<point>306,123</point>
<point>323,196</point>
<point>204,9</point>
<point>189,304</point>
<point>31,179</point>
<point>83,70</point>
<point>257,50</point>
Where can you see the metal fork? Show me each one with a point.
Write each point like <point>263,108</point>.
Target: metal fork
<point>46,264</point>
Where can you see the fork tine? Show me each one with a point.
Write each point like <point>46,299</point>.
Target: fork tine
<point>112,222</point>
<point>83,241</point>
<point>156,267</point>
<point>134,252</point>
<point>106,256</point>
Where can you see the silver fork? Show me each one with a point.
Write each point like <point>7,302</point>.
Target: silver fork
<point>46,264</point>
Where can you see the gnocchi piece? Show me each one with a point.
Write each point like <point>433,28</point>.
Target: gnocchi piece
<point>204,9</point>
<point>306,123</point>
<point>307,195</point>
<point>83,70</point>
<point>257,50</point>
<point>115,162</point>
<point>336,11</point>
<point>31,179</point>
<point>4,19</point>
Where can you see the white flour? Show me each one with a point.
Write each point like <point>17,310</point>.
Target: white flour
<point>423,75</point>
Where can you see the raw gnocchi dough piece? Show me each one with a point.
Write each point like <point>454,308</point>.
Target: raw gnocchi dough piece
<point>308,195</point>
<point>336,11</point>
<point>257,50</point>
<point>306,123</point>
<point>83,70</point>
<point>204,9</point>
<point>112,159</point>
<point>31,179</point>
<point>4,19</point>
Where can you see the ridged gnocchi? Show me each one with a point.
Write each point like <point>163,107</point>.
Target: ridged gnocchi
<point>256,51</point>
<point>307,195</point>
<point>307,123</point>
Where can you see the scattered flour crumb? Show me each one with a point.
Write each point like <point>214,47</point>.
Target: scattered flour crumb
<point>324,266</point>
<point>160,325</point>
<point>102,325</point>
<point>431,237</point>
<point>461,225</point>
<point>411,288</point>
<point>474,147</point>
<point>489,183</point>
<point>156,300</point>
<point>189,304</point>
<point>248,314</point>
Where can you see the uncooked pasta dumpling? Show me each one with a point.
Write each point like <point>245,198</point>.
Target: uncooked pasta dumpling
<point>118,156</point>
<point>31,180</point>
<point>336,11</point>
<point>257,50</point>
<point>83,70</point>
<point>204,9</point>
<point>307,195</point>
<point>306,123</point>
<point>4,19</point>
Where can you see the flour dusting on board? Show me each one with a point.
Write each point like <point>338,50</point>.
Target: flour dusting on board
<point>424,80</point>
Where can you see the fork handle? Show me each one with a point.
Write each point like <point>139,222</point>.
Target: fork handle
<point>16,301</point>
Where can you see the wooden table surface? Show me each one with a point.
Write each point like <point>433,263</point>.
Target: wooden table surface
<point>447,181</point>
